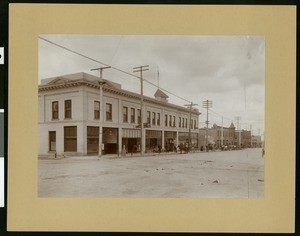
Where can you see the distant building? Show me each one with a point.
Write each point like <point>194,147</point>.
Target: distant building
<point>256,141</point>
<point>69,116</point>
<point>215,136</point>
<point>245,138</point>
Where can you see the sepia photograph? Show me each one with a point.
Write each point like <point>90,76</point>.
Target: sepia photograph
<point>151,116</point>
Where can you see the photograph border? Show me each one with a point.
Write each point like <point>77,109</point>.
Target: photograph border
<point>274,213</point>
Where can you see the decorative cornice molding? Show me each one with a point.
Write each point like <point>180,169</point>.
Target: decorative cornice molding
<point>82,82</point>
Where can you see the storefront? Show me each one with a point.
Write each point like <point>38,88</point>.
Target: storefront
<point>183,138</point>
<point>92,140</point>
<point>153,140</point>
<point>170,141</point>
<point>110,140</point>
<point>131,140</point>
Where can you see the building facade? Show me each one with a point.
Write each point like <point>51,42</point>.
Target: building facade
<point>243,138</point>
<point>70,111</point>
<point>256,141</point>
<point>215,136</point>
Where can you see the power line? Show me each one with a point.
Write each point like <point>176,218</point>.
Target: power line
<point>112,67</point>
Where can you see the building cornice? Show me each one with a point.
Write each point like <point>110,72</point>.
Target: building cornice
<point>121,92</point>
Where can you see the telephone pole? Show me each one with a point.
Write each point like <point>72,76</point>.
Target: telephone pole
<point>141,69</point>
<point>206,104</point>
<point>222,134</point>
<point>101,83</point>
<point>238,130</point>
<point>251,136</point>
<point>190,123</point>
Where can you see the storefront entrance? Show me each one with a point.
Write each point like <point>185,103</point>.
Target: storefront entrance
<point>92,140</point>
<point>153,141</point>
<point>110,140</point>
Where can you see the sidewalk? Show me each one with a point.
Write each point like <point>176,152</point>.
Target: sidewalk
<point>108,156</point>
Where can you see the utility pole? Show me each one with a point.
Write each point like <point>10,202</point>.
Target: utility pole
<point>101,83</point>
<point>141,69</point>
<point>251,136</point>
<point>238,130</point>
<point>206,104</point>
<point>190,123</point>
<point>222,134</point>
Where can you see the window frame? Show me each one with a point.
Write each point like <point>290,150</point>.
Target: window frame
<point>69,111</point>
<point>139,116</point>
<point>55,110</point>
<point>148,117</point>
<point>132,115</point>
<point>96,117</point>
<point>108,112</point>
<point>153,118</point>
<point>73,137</point>
<point>158,119</point>
<point>166,120</point>
<point>125,114</point>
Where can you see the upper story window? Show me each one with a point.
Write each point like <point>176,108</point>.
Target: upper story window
<point>148,117</point>
<point>174,121</point>
<point>158,119</point>
<point>195,124</point>
<point>179,122</point>
<point>55,110</point>
<point>170,120</point>
<point>96,110</point>
<point>139,116</point>
<point>125,114</point>
<point>132,115</point>
<point>108,111</point>
<point>166,120</point>
<point>186,123</point>
<point>68,109</point>
<point>153,118</point>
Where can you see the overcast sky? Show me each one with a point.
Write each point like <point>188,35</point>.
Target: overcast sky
<point>229,70</point>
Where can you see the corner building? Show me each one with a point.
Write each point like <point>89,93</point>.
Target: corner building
<point>69,118</point>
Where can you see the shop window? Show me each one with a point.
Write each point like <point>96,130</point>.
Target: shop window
<point>52,141</point>
<point>92,139</point>
<point>70,139</point>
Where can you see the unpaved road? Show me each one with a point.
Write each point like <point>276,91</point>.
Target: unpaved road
<point>228,174</point>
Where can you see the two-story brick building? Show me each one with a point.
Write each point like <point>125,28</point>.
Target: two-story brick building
<point>69,118</point>
<point>215,136</point>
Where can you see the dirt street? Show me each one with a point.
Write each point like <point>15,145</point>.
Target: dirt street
<point>228,174</point>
